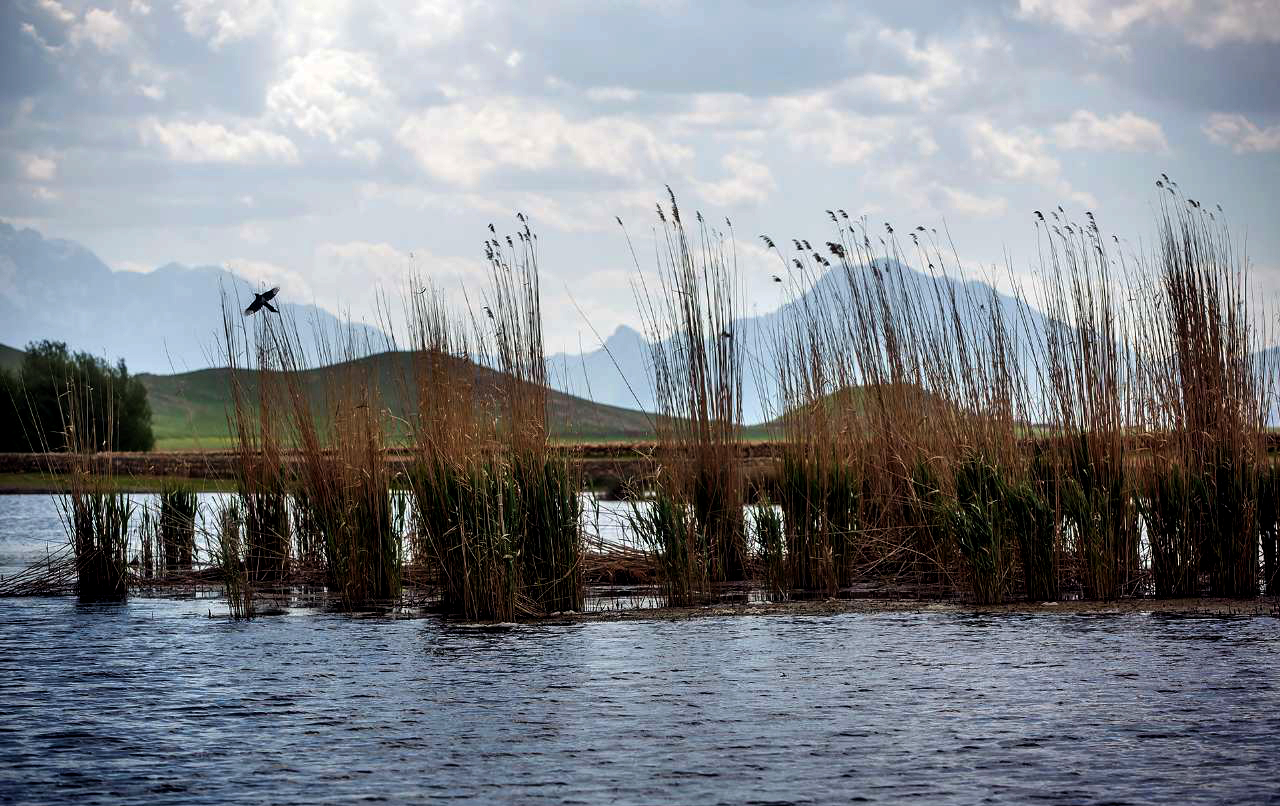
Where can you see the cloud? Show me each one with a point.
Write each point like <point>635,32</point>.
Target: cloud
<point>971,204</point>
<point>213,142</point>
<point>328,93</point>
<point>816,124</point>
<point>1020,155</point>
<point>36,168</point>
<point>103,29</point>
<point>748,181</point>
<point>1241,134</point>
<point>466,142</point>
<point>56,10</point>
<point>1206,23</point>
<point>221,22</point>
<point>1125,132</point>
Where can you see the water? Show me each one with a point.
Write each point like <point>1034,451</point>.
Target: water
<point>154,701</point>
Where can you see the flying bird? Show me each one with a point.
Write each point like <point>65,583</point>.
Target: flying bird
<point>263,300</point>
<point>777,279</point>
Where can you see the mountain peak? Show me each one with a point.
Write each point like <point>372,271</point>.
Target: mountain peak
<point>623,335</point>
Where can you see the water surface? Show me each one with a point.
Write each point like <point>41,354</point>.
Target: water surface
<point>154,701</point>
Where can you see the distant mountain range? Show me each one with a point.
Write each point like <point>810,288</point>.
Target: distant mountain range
<point>169,321</point>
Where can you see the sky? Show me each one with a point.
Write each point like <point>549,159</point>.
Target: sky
<point>334,146</point>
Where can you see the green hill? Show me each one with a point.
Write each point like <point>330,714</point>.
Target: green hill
<point>189,411</point>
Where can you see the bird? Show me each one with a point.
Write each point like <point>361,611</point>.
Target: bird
<point>263,300</point>
<point>777,279</point>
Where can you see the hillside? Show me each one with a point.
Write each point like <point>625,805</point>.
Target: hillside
<point>189,410</point>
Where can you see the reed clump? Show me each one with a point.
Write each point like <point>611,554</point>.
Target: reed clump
<point>1206,403</point>
<point>691,319</point>
<point>496,510</point>
<point>178,525</point>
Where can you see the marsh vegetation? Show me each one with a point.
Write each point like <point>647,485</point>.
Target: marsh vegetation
<point>1097,430</point>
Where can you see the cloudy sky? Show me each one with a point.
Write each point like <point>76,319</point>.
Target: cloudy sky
<point>331,145</point>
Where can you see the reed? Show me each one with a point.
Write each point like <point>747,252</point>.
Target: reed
<point>177,525</point>
<point>100,523</point>
<point>1269,526</point>
<point>772,550</point>
<point>547,514</point>
<point>255,422</point>
<point>496,510</point>
<point>691,321</point>
<point>1207,402</point>
<point>95,515</point>
<point>229,558</point>
<point>1088,374</point>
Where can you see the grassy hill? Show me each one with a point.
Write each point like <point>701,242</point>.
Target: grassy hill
<point>189,411</point>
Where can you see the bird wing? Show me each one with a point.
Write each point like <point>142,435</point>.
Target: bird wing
<point>255,305</point>
<point>271,294</point>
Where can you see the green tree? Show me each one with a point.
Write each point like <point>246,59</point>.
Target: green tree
<point>59,400</point>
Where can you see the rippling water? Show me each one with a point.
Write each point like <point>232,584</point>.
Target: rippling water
<point>154,701</point>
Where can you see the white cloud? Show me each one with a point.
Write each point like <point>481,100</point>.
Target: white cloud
<point>140,7</point>
<point>838,137</point>
<point>37,168</point>
<point>30,30</point>
<point>748,181</point>
<point>971,204</point>
<point>224,21</point>
<point>1020,155</point>
<point>103,29</point>
<point>213,142</point>
<point>328,93</point>
<point>1241,134</point>
<point>1206,23</point>
<point>467,141</point>
<point>56,10</point>
<point>514,58</point>
<point>1124,132</point>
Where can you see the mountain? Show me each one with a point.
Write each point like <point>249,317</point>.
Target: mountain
<point>162,321</point>
<point>618,373</point>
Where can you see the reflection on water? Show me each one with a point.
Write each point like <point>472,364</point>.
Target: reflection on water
<point>154,701</point>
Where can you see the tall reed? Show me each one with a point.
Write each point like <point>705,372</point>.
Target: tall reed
<point>691,318</point>
<point>178,525</point>
<point>1207,401</point>
<point>496,508</point>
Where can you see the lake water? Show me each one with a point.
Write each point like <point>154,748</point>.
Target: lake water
<point>154,701</point>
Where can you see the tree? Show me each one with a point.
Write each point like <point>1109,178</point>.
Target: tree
<point>61,400</point>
